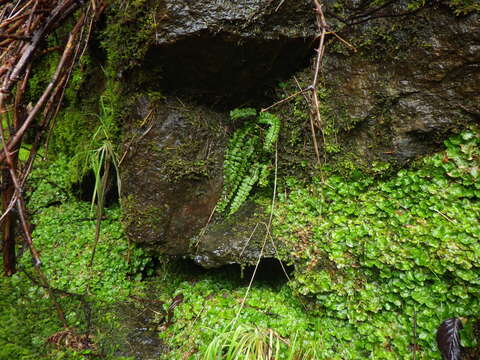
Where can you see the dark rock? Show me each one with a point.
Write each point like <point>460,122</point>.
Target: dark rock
<point>212,51</point>
<point>172,176</point>
<point>416,82</point>
<point>219,50</point>
<point>239,239</point>
<point>171,181</point>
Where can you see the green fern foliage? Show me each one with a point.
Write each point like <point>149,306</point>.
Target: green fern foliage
<point>248,158</point>
<point>242,113</point>
<point>271,136</point>
<point>244,189</point>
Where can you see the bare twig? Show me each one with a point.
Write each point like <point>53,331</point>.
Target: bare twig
<point>288,98</point>
<point>314,102</point>
<point>24,25</point>
<point>279,5</point>
<point>443,215</point>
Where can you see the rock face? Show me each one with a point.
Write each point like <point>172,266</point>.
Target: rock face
<point>414,80</point>
<point>417,82</point>
<point>172,174</point>
<point>211,51</point>
<point>229,49</point>
<point>171,181</point>
<point>239,239</point>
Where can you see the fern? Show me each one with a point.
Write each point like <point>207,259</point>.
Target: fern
<point>247,159</point>
<point>236,164</point>
<point>243,113</point>
<point>245,188</point>
<point>264,174</point>
<point>273,130</point>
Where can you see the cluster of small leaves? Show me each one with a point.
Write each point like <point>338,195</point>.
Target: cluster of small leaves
<point>204,323</point>
<point>28,319</point>
<point>384,255</point>
<point>49,184</point>
<point>248,157</point>
<point>64,233</point>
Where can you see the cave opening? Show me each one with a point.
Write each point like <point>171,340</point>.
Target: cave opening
<point>270,272</point>
<point>224,71</point>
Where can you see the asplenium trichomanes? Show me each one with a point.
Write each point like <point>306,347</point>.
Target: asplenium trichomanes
<point>248,158</point>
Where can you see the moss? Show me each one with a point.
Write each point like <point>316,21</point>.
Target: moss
<point>339,154</point>
<point>189,160</point>
<point>136,216</point>
<point>385,39</point>
<point>129,33</point>
<point>464,7</point>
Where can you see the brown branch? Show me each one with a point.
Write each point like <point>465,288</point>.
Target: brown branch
<point>288,98</point>
<point>7,226</point>
<point>314,103</point>
<point>30,18</point>
<point>24,21</point>
<point>60,12</point>
<point>315,115</point>
<point>14,140</point>
<point>12,20</point>
<point>14,37</point>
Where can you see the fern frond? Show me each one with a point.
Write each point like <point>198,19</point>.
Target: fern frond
<point>245,188</point>
<point>247,159</point>
<point>243,113</point>
<point>273,130</point>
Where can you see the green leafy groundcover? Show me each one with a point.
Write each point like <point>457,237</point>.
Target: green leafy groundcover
<point>372,258</point>
<point>64,230</point>
<point>212,302</point>
<point>381,255</point>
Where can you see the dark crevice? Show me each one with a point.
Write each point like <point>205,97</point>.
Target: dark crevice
<point>269,272</point>
<point>85,188</point>
<point>224,70</point>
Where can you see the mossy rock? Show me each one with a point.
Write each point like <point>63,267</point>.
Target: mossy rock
<point>413,82</point>
<point>235,240</point>
<point>172,172</point>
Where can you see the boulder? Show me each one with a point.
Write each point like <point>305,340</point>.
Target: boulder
<point>414,81</point>
<point>172,173</point>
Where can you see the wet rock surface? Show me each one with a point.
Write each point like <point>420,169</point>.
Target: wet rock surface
<point>139,333</point>
<point>414,81</point>
<point>239,239</point>
<point>212,52</point>
<point>171,181</point>
<point>172,176</point>
<point>244,18</point>
<point>417,83</point>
